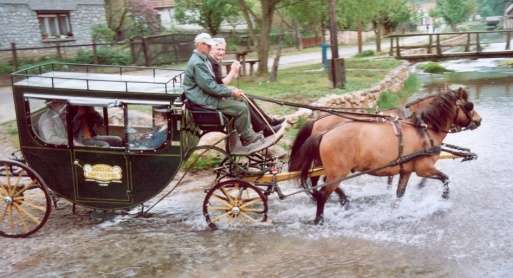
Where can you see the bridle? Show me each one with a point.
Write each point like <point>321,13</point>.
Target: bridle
<point>468,110</point>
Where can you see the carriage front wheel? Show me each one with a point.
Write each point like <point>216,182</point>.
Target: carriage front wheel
<point>24,200</point>
<point>234,202</point>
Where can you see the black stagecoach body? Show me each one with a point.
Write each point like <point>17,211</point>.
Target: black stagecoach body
<point>113,176</point>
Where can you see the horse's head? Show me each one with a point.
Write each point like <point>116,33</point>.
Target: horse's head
<point>465,117</point>
<point>451,112</point>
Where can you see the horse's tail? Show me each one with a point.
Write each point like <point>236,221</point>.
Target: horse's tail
<point>302,135</point>
<point>308,154</point>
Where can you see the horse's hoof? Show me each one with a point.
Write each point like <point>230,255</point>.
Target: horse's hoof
<point>319,221</point>
<point>422,183</point>
<point>345,203</point>
<point>445,195</point>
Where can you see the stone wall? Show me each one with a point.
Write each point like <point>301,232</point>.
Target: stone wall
<point>366,98</point>
<point>20,24</point>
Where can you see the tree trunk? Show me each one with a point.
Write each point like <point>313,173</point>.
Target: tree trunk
<point>454,27</point>
<point>264,41</point>
<point>360,40</point>
<point>379,32</point>
<point>276,62</point>
<point>298,36</point>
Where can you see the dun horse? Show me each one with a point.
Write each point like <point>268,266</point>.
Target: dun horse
<point>324,124</point>
<point>366,147</point>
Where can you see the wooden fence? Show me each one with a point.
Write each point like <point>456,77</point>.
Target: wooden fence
<point>60,51</point>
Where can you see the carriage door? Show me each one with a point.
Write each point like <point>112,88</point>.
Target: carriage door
<point>101,167</point>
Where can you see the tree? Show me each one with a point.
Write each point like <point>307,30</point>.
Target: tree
<point>209,14</point>
<point>454,11</point>
<point>491,7</point>
<point>305,16</point>
<point>259,18</point>
<point>388,15</point>
<point>116,12</point>
<point>356,14</point>
<point>144,18</point>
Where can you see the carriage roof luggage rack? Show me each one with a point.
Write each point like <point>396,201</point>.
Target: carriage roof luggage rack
<point>92,77</point>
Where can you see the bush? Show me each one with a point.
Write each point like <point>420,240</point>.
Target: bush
<point>6,68</point>
<point>388,100</point>
<point>111,56</point>
<point>365,53</point>
<point>105,55</point>
<point>434,68</point>
<point>102,34</point>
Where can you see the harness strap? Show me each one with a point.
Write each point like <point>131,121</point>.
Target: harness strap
<point>398,132</point>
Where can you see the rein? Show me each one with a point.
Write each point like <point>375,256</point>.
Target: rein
<point>342,112</point>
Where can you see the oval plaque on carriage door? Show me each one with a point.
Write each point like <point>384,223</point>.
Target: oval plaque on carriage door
<point>103,174</point>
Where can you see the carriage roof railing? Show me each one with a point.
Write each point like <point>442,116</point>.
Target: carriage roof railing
<point>95,77</point>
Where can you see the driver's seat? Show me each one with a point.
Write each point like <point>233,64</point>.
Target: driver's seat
<point>207,119</point>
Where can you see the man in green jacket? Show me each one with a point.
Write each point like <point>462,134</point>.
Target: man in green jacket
<point>201,88</point>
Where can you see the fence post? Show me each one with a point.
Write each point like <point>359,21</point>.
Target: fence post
<point>508,40</point>
<point>14,56</point>
<point>478,44</point>
<point>59,54</point>
<point>397,47</point>
<point>145,51</point>
<point>429,51</point>
<point>438,47</point>
<point>467,46</point>
<point>132,51</point>
<point>95,56</point>
<point>391,46</point>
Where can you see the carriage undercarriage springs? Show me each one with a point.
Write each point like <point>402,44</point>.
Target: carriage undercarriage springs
<point>145,158</point>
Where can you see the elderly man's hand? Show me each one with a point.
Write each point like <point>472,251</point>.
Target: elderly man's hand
<point>237,93</point>
<point>235,68</point>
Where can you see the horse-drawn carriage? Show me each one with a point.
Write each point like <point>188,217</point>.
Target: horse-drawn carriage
<point>142,133</point>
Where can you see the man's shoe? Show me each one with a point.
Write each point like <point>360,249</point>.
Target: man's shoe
<point>253,139</point>
<point>277,121</point>
<point>269,132</point>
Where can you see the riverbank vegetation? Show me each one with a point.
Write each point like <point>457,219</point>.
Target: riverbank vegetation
<point>435,68</point>
<point>389,100</point>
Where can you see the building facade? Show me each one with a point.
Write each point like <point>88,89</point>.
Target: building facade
<point>35,23</point>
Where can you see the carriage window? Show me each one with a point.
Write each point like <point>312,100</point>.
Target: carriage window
<point>48,121</point>
<point>97,126</point>
<point>147,126</point>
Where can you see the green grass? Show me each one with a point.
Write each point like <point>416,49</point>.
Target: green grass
<point>205,162</point>
<point>305,84</point>
<point>365,53</point>
<point>389,100</point>
<point>11,131</point>
<point>435,68</point>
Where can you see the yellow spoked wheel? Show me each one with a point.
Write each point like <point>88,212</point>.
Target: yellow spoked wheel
<point>24,201</point>
<point>234,202</point>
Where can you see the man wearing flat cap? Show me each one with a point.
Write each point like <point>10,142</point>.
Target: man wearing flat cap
<point>201,88</point>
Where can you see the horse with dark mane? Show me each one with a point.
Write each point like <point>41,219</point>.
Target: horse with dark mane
<point>324,124</point>
<point>368,147</point>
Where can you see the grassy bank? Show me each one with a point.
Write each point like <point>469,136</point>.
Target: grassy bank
<point>305,84</point>
<point>389,100</point>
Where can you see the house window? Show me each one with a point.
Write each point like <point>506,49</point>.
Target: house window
<point>54,25</point>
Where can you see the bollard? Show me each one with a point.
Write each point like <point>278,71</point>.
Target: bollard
<point>324,50</point>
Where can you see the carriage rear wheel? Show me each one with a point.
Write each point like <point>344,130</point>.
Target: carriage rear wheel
<point>234,202</point>
<point>24,201</point>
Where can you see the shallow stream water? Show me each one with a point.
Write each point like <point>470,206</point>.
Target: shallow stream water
<point>469,235</point>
